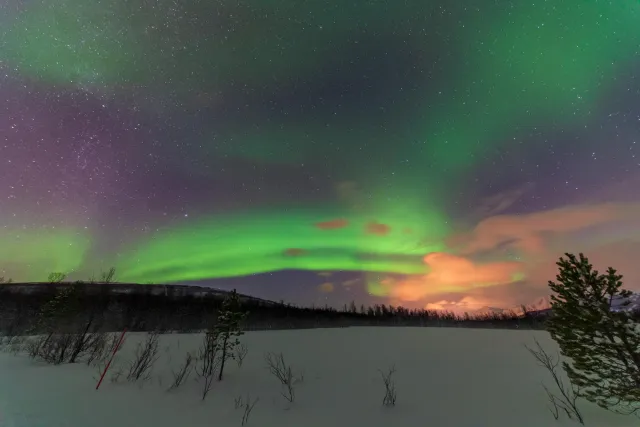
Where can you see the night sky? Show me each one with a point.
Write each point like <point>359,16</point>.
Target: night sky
<point>429,153</point>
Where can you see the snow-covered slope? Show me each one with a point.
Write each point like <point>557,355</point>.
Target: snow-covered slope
<point>541,304</point>
<point>445,377</point>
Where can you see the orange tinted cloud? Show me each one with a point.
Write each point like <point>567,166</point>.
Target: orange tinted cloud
<point>527,232</point>
<point>608,233</point>
<point>452,273</point>
<point>377,229</point>
<point>333,224</point>
<point>465,304</point>
<point>326,287</point>
<point>294,252</point>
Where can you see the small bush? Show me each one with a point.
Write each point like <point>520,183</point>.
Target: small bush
<point>246,405</point>
<point>390,394</point>
<point>285,375</point>
<point>241,352</point>
<point>208,361</point>
<point>182,374</point>
<point>145,357</point>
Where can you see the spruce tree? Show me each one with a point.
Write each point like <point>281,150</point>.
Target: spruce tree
<point>228,328</point>
<point>603,345</point>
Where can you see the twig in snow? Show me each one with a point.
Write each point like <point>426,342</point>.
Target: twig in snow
<point>390,395</point>
<point>183,373</point>
<point>247,406</point>
<point>208,361</point>
<point>241,351</point>
<point>284,373</point>
<point>145,356</point>
<point>569,393</point>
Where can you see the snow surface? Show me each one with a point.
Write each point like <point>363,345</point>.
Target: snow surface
<point>445,377</point>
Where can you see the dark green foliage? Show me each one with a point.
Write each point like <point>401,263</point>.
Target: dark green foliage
<point>603,345</point>
<point>229,327</point>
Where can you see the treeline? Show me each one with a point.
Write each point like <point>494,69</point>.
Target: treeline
<point>113,307</point>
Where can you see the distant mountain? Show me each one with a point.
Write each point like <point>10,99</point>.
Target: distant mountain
<point>128,288</point>
<point>542,305</point>
<point>490,310</point>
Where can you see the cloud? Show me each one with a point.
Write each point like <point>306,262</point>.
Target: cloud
<point>452,273</point>
<point>464,304</point>
<point>351,282</point>
<point>332,224</point>
<point>293,252</point>
<point>507,260</point>
<point>528,232</point>
<point>497,203</point>
<point>377,228</point>
<point>326,287</point>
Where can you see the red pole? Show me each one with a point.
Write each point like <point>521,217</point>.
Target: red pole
<point>115,350</point>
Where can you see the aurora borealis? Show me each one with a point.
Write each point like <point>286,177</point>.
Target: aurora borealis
<point>419,152</point>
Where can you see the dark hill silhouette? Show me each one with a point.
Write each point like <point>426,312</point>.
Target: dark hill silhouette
<point>193,308</point>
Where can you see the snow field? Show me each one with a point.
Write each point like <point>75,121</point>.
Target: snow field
<point>450,377</point>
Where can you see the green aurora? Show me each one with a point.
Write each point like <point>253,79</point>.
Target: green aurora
<point>510,64</point>
<point>269,241</point>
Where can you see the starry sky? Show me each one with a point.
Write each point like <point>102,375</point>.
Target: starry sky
<point>425,153</point>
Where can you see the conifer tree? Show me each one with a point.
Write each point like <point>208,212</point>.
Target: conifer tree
<point>228,328</point>
<point>603,345</point>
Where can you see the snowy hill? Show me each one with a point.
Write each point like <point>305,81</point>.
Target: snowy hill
<point>540,305</point>
<point>128,288</point>
<point>543,305</point>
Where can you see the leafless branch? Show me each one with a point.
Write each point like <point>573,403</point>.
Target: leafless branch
<point>247,405</point>
<point>145,357</point>
<point>208,361</point>
<point>241,351</point>
<point>569,393</point>
<point>390,395</point>
<point>284,373</point>
<point>183,373</point>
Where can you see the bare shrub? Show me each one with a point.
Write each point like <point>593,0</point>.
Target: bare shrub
<point>182,374</point>
<point>53,348</point>
<point>117,373</point>
<point>56,277</point>
<point>283,373</point>
<point>33,344</point>
<point>110,347</point>
<point>208,361</point>
<point>15,345</point>
<point>144,358</point>
<point>108,276</point>
<point>569,393</point>
<point>246,405</point>
<point>13,329</point>
<point>84,342</point>
<point>390,394</point>
<point>97,347</point>
<point>241,352</point>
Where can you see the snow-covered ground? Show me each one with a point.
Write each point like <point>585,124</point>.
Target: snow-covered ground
<point>445,377</point>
